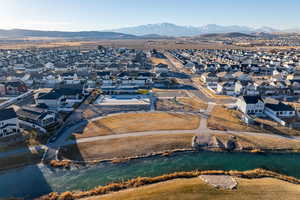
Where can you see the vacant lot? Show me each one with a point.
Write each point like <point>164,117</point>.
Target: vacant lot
<point>180,104</point>
<point>138,122</point>
<point>225,119</point>
<point>157,61</point>
<point>194,103</point>
<point>195,189</point>
<point>126,147</point>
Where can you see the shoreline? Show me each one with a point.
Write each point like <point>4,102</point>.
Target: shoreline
<point>142,181</point>
<point>67,164</point>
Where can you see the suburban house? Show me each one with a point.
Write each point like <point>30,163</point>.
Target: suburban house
<point>70,78</point>
<point>226,88</point>
<point>224,76</point>
<point>264,87</point>
<point>2,89</point>
<point>189,65</point>
<point>9,124</point>
<point>15,87</point>
<point>59,98</point>
<point>161,68</point>
<point>38,116</point>
<point>209,77</point>
<point>295,87</point>
<point>251,105</point>
<point>103,75</point>
<point>198,69</point>
<point>245,88</point>
<point>52,99</point>
<point>280,110</point>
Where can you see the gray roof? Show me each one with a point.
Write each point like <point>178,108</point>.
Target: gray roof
<point>252,99</point>
<point>280,107</point>
<point>6,114</point>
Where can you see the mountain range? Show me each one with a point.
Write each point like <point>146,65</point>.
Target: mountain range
<point>169,29</point>
<point>20,33</point>
<point>150,31</point>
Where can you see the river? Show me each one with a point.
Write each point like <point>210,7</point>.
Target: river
<point>36,180</point>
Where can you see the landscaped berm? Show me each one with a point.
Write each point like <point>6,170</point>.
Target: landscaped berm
<point>249,185</point>
<point>139,122</point>
<point>196,189</point>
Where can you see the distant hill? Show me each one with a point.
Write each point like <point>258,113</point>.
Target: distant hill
<point>150,31</point>
<point>166,29</point>
<point>228,35</point>
<point>169,29</point>
<point>20,33</point>
<point>154,36</point>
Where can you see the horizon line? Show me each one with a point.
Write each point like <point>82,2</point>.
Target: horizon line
<point>146,24</point>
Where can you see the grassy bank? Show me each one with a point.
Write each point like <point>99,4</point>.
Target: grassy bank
<point>142,181</point>
<point>263,142</point>
<point>195,189</point>
<point>125,147</point>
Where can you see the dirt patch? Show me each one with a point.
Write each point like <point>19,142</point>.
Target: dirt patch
<point>220,181</point>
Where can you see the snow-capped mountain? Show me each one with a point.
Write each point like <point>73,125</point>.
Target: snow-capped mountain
<point>169,29</point>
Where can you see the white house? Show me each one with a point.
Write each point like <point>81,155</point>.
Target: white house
<point>9,124</point>
<point>52,99</point>
<point>226,88</point>
<point>59,98</point>
<point>252,105</point>
<point>280,110</point>
<point>209,77</point>
<point>161,68</point>
<point>38,116</point>
<point>189,65</point>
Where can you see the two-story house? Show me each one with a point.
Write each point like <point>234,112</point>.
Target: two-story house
<point>251,105</point>
<point>9,124</point>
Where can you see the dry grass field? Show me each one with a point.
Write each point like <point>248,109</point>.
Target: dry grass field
<point>126,147</point>
<point>156,61</point>
<point>194,103</point>
<point>274,127</point>
<point>139,122</point>
<point>196,189</point>
<point>181,104</point>
<point>224,119</point>
<point>263,142</point>
<point>145,44</point>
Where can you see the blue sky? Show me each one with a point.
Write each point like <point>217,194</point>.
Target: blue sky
<point>74,15</point>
